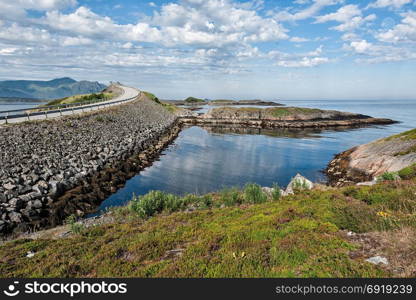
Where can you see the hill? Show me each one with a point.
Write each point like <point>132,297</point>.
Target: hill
<point>52,89</point>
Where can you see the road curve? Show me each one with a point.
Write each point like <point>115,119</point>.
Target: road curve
<point>128,94</point>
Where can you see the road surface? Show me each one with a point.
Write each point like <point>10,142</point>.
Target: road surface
<point>128,94</point>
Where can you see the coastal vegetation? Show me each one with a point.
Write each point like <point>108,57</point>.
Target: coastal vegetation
<point>381,158</point>
<point>81,99</point>
<point>324,232</point>
<point>194,100</point>
<point>170,107</point>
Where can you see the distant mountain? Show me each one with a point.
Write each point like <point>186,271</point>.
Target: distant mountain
<point>52,89</point>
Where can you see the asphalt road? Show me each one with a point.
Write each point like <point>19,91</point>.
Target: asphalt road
<point>128,93</point>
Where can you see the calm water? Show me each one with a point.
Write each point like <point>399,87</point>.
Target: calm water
<point>16,106</point>
<point>206,159</point>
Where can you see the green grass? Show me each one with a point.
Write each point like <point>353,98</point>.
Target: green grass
<point>407,135</point>
<point>253,194</point>
<point>389,176</point>
<point>81,99</point>
<point>408,172</point>
<point>224,235</point>
<point>152,97</point>
<point>412,149</point>
<point>222,101</point>
<point>171,108</point>
<point>288,111</point>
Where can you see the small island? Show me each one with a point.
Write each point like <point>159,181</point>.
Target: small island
<point>257,102</point>
<point>192,101</point>
<point>295,117</point>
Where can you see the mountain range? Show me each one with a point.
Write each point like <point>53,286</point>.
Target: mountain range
<point>52,89</point>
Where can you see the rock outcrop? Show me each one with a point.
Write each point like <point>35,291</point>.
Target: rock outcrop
<point>298,183</point>
<point>284,117</point>
<point>54,168</point>
<point>365,162</point>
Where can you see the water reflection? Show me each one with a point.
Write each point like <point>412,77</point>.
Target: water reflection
<point>206,159</point>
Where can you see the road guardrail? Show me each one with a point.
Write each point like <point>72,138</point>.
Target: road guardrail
<point>60,108</point>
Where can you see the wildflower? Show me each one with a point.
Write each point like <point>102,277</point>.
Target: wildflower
<point>383,214</point>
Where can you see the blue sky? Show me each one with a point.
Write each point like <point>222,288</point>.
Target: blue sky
<point>301,49</point>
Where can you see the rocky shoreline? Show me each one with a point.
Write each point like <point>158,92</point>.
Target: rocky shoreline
<point>57,168</point>
<point>364,163</point>
<point>52,169</point>
<point>283,117</point>
<point>316,123</point>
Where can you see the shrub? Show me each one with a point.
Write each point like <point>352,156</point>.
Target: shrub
<point>254,194</point>
<point>299,185</point>
<point>231,196</point>
<point>408,172</point>
<point>276,194</point>
<point>154,202</point>
<point>388,176</point>
<point>75,227</point>
<point>157,201</point>
<point>152,97</point>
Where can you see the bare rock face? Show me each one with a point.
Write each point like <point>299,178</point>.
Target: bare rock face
<point>298,183</point>
<point>365,162</point>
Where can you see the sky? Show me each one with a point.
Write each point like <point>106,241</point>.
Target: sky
<point>269,49</point>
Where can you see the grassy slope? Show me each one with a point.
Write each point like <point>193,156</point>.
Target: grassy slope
<point>296,236</point>
<point>170,107</point>
<point>409,135</point>
<point>81,98</point>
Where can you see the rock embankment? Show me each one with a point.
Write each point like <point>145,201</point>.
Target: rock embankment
<point>54,168</point>
<point>284,117</point>
<point>365,162</point>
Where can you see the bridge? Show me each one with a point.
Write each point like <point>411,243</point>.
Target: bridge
<point>55,111</point>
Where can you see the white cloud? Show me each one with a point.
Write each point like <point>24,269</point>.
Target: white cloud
<point>361,46</point>
<point>45,4</point>
<point>388,3</point>
<point>306,13</point>
<point>303,62</point>
<point>403,32</point>
<point>349,36</point>
<point>297,39</point>
<point>23,35</point>
<point>213,23</point>
<point>76,41</point>
<point>350,17</point>
<point>7,51</point>
<point>299,60</point>
<point>374,53</point>
<point>16,9</point>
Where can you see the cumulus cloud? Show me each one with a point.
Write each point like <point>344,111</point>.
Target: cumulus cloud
<point>22,35</point>
<point>389,3</point>
<point>298,60</point>
<point>403,32</point>
<point>375,53</point>
<point>297,39</point>
<point>350,17</point>
<point>205,23</point>
<point>308,12</point>
<point>16,9</point>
